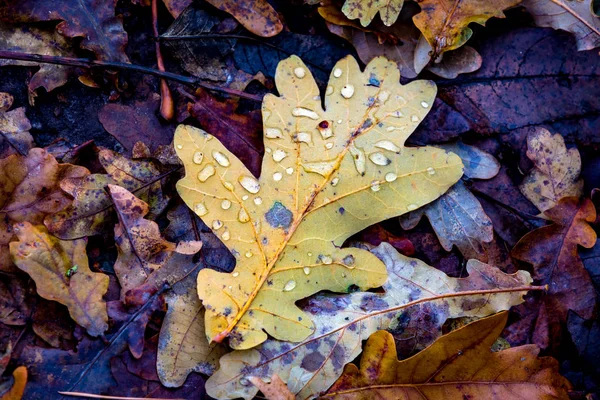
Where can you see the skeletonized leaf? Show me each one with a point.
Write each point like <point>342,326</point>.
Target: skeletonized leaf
<point>92,210</point>
<point>343,321</point>
<point>366,10</point>
<point>459,365</point>
<point>556,170</point>
<point>326,175</point>
<point>457,217</point>
<point>444,23</point>
<point>576,17</point>
<point>61,273</point>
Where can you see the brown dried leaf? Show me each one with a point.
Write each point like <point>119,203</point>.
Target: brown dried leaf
<point>61,273</point>
<point>272,388</point>
<point>29,191</point>
<point>14,128</point>
<point>556,171</point>
<point>255,15</point>
<point>92,210</point>
<point>458,365</point>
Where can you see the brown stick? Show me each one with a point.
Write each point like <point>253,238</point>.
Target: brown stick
<point>167,107</point>
<point>91,64</point>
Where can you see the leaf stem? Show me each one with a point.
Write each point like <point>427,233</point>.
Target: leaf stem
<point>99,64</point>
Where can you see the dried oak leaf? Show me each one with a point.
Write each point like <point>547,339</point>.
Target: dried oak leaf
<point>366,10</point>
<point>552,250</point>
<point>320,165</point>
<point>444,23</point>
<point>272,388</point>
<point>14,128</point>
<point>51,263</point>
<point>576,17</point>
<point>93,21</point>
<point>182,345</point>
<point>92,210</point>
<point>30,191</point>
<point>556,170</point>
<point>18,388</point>
<point>38,40</point>
<point>458,365</point>
<point>258,16</point>
<point>457,217</point>
<point>418,299</point>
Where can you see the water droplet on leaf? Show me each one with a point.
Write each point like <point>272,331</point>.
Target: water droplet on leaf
<point>221,158</point>
<point>249,183</point>
<point>198,157</point>
<point>206,173</point>
<point>290,285</point>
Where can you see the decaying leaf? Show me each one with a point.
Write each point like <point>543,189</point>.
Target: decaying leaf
<point>576,17</point>
<point>343,321</point>
<point>444,23</point>
<point>14,128</point>
<point>30,191</point>
<point>366,10</point>
<point>92,210</point>
<point>552,250</point>
<point>556,171</point>
<point>93,21</point>
<point>38,40</point>
<point>18,388</point>
<point>47,260</point>
<point>320,165</point>
<point>458,365</point>
<point>457,217</point>
<point>255,15</point>
<point>182,345</point>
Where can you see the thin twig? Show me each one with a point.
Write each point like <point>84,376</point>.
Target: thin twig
<point>91,64</point>
<point>99,396</point>
<point>167,106</point>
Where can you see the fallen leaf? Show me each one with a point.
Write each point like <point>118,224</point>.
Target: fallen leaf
<point>37,40</point>
<point>175,7</point>
<point>319,165</point>
<point>444,23</point>
<point>457,217</point>
<point>552,250</point>
<point>255,15</point>
<point>272,388</point>
<point>556,171</point>
<point>376,234</point>
<point>29,192</point>
<point>15,295</point>
<point>16,391</point>
<point>182,345</point>
<point>586,335</point>
<point>92,210</point>
<point>576,17</point>
<point>14,128</point>
<point>137,122</point>
<point>449,65</point>
<point>240,131</point>
<point>458,365</point>
<point>366,10</point>
<point>94,22</point>
<point>51,322</point>
<point>344,321</point>
<point>47,260</point>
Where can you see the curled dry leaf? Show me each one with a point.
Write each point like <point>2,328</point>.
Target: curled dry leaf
<point>444,23</point>
<point>320,165</point>
<point>18,387</point>
<point>14,128</point>
<point>552,250</point>
<point>61,273</point>
<point>93,21</point>
<point>458,365</point>
<point>182,345</point>
<point>556,170</point>
<point>37,40</point>
<point>92,210</point>
<point>457,217</point>
<point>576,17</point>
<point>344,321</point>
<point>30,191</point>
<point>255,15</point>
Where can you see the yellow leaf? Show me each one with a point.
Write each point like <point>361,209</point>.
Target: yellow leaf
<point>61,273</point>
<point>326,175</point>
<point>366,10</point>
<point>444,23</point>
<point>459,365</point>
<point>556,171</point>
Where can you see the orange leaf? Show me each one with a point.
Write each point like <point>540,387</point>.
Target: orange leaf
<point>16,391</point>
<point>459,365</point>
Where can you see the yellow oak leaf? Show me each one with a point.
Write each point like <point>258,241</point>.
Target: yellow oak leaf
<point>327,174</point>
<point>444,23</point>
<point>366,10</point>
